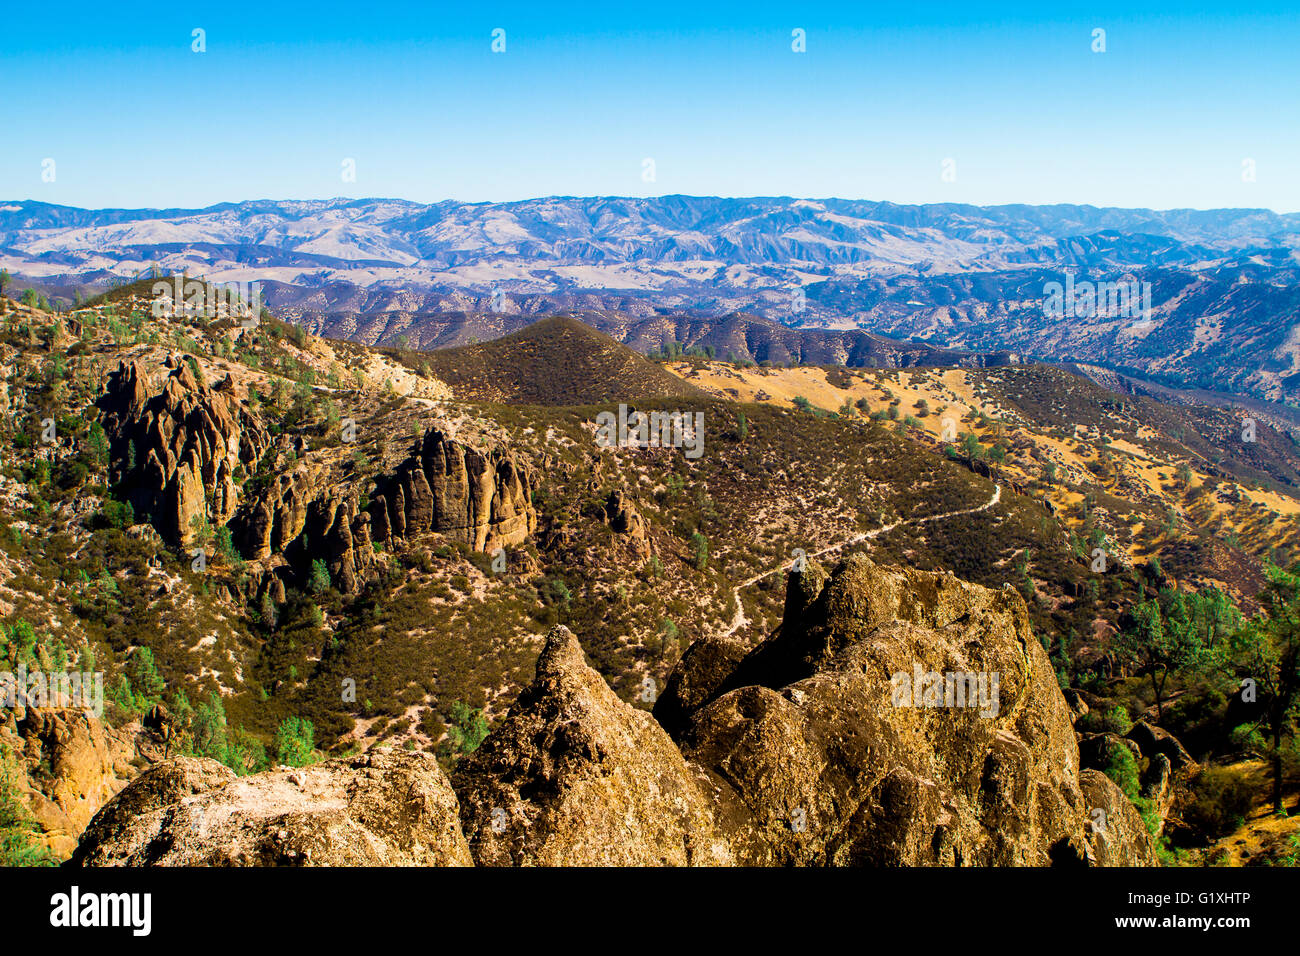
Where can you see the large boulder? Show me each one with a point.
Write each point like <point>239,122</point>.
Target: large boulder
<point>1153,741</point>
<point>576,777</point>
<point>703,669</point>
<point>383,808</point>
<point>897,717</point>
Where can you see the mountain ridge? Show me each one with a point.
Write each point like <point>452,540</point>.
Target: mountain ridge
<point>1222,284</point>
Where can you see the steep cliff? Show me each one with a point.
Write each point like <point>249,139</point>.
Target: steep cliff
<point>179,445</point>
<point>69,764</point>
<point>479,498</point>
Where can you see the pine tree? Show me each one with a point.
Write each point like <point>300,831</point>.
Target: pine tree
<point>1269,654</point>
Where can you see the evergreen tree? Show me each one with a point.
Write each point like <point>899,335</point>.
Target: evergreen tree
<point>700,548</point>
<point>295,741</point>
<point>1269,654</point>
<point>145,678</point>
<point>320,577</point>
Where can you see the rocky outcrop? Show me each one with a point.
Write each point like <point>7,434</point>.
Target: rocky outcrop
<point>625,520</point>
<point>896,718</point>
<point>278,514</point>
<point>1117,836</point>
<point>69,766</point>
<point>833,756</point>
<point>703,669</point>
<point>384,808</point>
<point>576,777</point>
<point>177,445</point>
<point>1155,741</point>
<point>805,749</point>
<point>1097,751</point>
<point>482,499</point>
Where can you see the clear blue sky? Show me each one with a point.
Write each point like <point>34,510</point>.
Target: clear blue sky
<point>711,92</point>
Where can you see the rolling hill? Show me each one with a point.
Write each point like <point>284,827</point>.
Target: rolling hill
<point>555,361</point>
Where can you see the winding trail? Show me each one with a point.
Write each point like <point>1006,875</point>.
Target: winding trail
<point>739,620</point>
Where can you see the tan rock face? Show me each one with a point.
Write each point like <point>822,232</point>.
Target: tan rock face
<point>576,777</point>
<point>822,765</point>
<point>622,516</point>
<point>1116,835</point>
<point>384,808</point>
<point>482,499</point>
<point>186,440</point>
<point>83,764</point>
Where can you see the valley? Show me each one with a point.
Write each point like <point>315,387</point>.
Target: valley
<point>289,551</point>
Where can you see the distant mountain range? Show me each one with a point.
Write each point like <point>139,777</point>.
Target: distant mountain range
<point>1224,285</point>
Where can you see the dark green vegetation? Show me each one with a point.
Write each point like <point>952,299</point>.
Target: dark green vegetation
<point>556,361</point>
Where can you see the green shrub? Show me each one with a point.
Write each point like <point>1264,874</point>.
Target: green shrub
<point>18,844</point>
<point>467,729</point>
<point>1113,721</point>
<point>1220,802</point>
<point>1121,767</point>
<point>295,742</point>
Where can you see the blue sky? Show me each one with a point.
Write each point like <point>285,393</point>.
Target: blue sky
<point>713,93</point>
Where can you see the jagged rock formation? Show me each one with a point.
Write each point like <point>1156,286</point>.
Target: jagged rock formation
<point>623,518</point>
<point>576,777</point>
<point>622,515</point>
<point>480,498</point>
<point>808,741</point>
<point>278,514</point>
<point>801,751</point>
<point>384,808</point>
<point>301,518</point>
<point>176,447</point>
<point>70,766</point>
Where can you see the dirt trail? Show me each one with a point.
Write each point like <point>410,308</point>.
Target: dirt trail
<point>739,620</point>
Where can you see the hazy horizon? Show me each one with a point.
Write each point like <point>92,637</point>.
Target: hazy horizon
<point>611,196</point>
